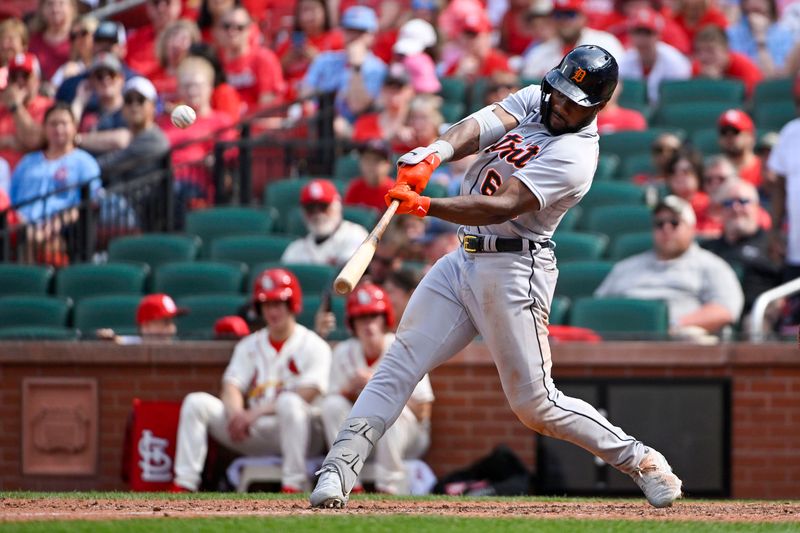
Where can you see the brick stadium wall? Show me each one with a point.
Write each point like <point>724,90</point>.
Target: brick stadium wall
<point>470,416</point>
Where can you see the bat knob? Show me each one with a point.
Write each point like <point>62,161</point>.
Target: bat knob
<point>342,286</point>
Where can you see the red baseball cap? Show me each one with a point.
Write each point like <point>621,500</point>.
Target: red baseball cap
<point>319,191</point>
<point>646,18</point>
<point>24,62</point>
<point>737,119</point>
<point>477,22</point>
<point>568,5</point>
<point>157,307</point>
<point>231,327</point>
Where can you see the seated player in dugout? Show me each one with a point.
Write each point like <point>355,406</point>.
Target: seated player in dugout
<point>537,154</point>
<point>155,321</point>
<point>370,317</point>
<point>269,390</point>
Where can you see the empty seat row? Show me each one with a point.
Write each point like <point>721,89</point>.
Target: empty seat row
<point>613,318</point>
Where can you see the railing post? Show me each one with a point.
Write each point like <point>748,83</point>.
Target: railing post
<point>86,222</point>
<point>168,186</point>
<point>218,173</point>
<point>245,166</point>
<point>5,235</point>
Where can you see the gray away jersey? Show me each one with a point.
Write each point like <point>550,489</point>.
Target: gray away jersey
<point>557,169</point>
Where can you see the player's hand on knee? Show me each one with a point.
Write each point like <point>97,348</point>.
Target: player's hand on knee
<point>239,426</point>
<point>414,168</point>
<point>411,203</point>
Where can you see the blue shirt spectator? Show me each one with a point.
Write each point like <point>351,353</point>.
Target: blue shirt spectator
<point>757,31</point>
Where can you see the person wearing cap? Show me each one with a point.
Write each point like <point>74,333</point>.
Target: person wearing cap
<point>371,186</point>
<point>141,52</point>
<point>737,140</point>
<point>81,53</point>
<point>371,317</point>
<point>148,142</point>
<point>255,72</point>
<point>413,49</point>
<point>49,40</point>
<point>22,109</point>
<point>615,118</point>
<point>155,317</point>
<point>231,327</point>
<point>701,290</point>
<point>354,74</point>
<point>714,59</point>
<point>13,41</point>
<point>388,121</point>
<point>331,240</point>
<point>517,29</point>
<point>743,243</point>
<point>103,129</point>
<point>472,55</point>
<point>684,180</point>
<point>649,58</point>
<point>569,20</point>
<point>617,23</point>
<point>270,390</point>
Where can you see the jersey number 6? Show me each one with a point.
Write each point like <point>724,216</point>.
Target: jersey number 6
<point>491,182</point>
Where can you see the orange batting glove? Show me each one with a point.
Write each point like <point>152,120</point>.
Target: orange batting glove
<point>411,203</point>
<point>417,175</point>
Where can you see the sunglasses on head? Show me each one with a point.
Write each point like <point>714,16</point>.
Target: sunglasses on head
<point>134,98</point>
<point>78,33</point>
<point>228,26</point>
<point>730,202</point>
<point>102,74</point>
<point>659,223</point>
<point>729,131</point>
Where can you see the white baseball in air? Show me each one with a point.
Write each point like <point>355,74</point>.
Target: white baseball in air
<point>183,116</point>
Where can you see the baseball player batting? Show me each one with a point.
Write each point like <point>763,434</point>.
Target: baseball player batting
<point>538,151</point>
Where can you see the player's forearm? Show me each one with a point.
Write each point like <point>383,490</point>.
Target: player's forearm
<point>472,210</point>
<point>232,398</point>
<point>711,317</point>
<point>464,137</point>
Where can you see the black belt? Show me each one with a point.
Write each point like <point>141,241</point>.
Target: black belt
<point>476,244</point>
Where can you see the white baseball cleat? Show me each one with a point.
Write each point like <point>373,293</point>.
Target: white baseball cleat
<point>328,492</point>
<point>654,476</point>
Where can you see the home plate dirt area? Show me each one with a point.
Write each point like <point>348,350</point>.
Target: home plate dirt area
<point>64,507</point>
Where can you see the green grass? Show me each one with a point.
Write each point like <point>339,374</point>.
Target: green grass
<point>391,523</point>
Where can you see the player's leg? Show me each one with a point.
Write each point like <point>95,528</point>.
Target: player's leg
<point>512,320</point>
<point>434,327</point>
<point>335,409</point>
<point>294,428</point>
<point>398,443</point>
<point>200,412</point>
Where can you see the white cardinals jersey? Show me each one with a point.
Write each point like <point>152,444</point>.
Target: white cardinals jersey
<point>348,358</point>
<point>261,373</point>
<point>546,164</point>
<point>335,250</point>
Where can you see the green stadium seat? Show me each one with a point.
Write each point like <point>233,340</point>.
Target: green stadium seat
<point>478,90</point>
<point>571,219</point>
<point>730,92</point>
<point>211,224</point>
<point>453,89</point>
<point>706,141</point>
<point>774,116</point>
<point>606,167</point>
<point>199,277</point>
<point>114,311</point>
<point>577,246</point>
<point>25,279</point>
<point>314,279</point>
<point>622,318</point>
<point>31,310</point>
<point>81,281</point>
<point>634,94</point>
<point>204,310</point>
<point>605,193</point>
<point>155,249</point>
<point>283,196</point>
<point>636,164</point>
<point>361,215</point>
<point>38,333</point>
<point>434,190</point>
<point>690,116</point>
<point>616,220</point>
<point>452,112</point>
<point>250,249</point>
<point>579,279</point>
<point>559,310</point>
<point>628,244</point>
<point>345,168</point>
<point>626,143</point>
<point>311,304</point>
<point>777,90</point>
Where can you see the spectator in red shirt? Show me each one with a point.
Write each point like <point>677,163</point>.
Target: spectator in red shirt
<point>193,147</point>
<point>172,47</point>
<point>684,172</point>
<point>13,41</point>
<point>713,59</point>
<point>737,139</point>
<point>374,183</point>
<point>473,55</point>
<point>694,15</point>
<point>225,98</point>
<point>613,118</point>
<point>255,72</point>
<point>312,33</point>
<point>22,110</point>
<point>50,36</point>
<point>516,28</point>
<point>142,43</point>
<point>618,24</point>
<point>393,105</point>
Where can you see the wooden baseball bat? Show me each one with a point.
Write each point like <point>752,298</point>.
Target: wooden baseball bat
<point>355,267</point>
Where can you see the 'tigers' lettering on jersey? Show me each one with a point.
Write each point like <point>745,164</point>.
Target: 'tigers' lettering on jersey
<point>506,148</point>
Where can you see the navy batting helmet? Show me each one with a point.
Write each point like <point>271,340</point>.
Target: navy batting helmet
<point>587,75</point>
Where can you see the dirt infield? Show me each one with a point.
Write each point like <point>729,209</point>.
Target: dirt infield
<point>67,508</point>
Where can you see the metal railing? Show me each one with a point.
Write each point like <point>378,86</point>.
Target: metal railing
<point>757,332</point>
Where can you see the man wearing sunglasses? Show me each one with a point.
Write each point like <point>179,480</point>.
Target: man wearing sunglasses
<point>737,140</point>
<point>571,31</point>
<point>700,289</point>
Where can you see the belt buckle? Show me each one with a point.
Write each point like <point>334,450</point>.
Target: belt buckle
<point>471,243</point>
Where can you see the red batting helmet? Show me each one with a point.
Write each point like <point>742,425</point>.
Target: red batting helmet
<point>157,307</point>
<point>278,285</point>
<point>369,299</point>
